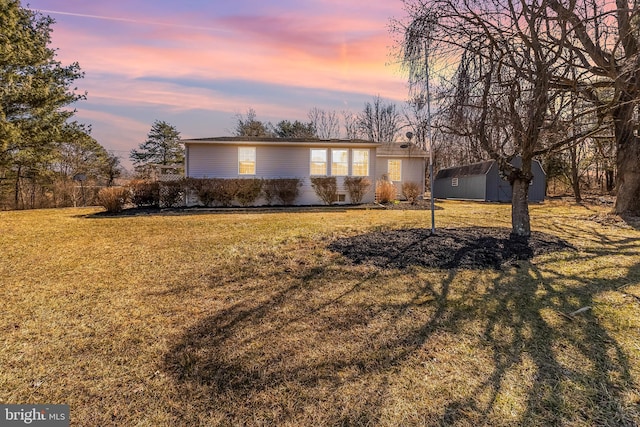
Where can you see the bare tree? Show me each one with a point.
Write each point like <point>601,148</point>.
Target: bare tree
<point>603,38</point>
<point>605,161</point>
<point>350,124</point>
<point>380,121</point>
<point>415,115</point>
<point>503,88</point>
<point>326,123</point>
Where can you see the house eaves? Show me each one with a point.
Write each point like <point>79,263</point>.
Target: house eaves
<point>284,142</point>
<point>401,150</point>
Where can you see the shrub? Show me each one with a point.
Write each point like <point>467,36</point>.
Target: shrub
<point>213,191</point>
<point>269,190</point>
<point>284,190</point>
<point>224,190</point>
<point>326,187</point>
<point>411,191</point>
<point>248,190</point>
<point>145,193</point>
<point>385,191</point>
<point>288,190</point>
<point>204,190</point>
<point>172,194</point>
<point>113,199</point>
<point>357,186</point>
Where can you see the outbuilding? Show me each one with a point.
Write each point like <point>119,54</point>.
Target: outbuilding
<point>482,181</point>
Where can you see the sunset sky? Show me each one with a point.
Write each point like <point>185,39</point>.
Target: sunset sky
<point>196,64</point>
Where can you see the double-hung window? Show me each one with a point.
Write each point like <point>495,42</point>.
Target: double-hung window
<point>246,160</point>
<point>394,169</point>
<point>360,162</point>
<point>319,161</point>
<point>340,162</point>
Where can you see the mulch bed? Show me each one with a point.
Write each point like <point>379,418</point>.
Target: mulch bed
<point>467,248</point>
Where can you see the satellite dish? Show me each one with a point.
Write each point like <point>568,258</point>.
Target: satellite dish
<point>409,135</point>
<point>404,146</point>
<point>80,177</point>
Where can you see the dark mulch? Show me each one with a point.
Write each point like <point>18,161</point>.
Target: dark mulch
<point>468,248</point>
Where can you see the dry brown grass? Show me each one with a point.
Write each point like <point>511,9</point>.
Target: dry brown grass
<point>248,319</point>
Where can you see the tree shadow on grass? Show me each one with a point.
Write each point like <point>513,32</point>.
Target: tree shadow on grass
<point>397,344</point>
<point>580,373</point>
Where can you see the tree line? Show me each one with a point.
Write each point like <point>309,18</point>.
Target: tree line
<point>46,159</point>
<point>587,165</point>
<point>379,121</point>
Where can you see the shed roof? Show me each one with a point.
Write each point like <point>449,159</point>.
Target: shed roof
<point>480,168</point>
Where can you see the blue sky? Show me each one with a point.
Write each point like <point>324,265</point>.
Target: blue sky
<point>197,64</point>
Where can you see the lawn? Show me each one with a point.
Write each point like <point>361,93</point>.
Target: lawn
<point>249,318</point>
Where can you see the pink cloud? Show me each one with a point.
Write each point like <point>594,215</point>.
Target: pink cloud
<point>204,55</point>
<point>137,59</point>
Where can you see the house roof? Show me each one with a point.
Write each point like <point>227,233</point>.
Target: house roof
<point>480,168</point>
<point>401,150</point>
<point>247,140</point>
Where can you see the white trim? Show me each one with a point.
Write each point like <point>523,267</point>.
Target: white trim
<point>255,161</point>
<point>346,162</point>
<point>353,159</point>
<point>389,171</point>
<point>326,162</point>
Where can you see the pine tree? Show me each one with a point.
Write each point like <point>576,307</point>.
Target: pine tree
<point>34,88</point>
<point>162,147</point>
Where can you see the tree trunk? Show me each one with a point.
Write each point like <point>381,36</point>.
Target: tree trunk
<point>520,221</point>
<point>17,188</point>
<point>628,161</point>
<point>628,180</point>
<point>609,177</point>
<point>575,177</point>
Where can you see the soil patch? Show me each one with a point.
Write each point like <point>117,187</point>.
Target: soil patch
<point>467,248</point>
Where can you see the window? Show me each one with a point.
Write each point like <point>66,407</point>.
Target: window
<point>318,161</point>
<point>454,182</point>
<point>360,166</point>
<point>339,162</point>
<point>247,160</point>
<point>394,169</point>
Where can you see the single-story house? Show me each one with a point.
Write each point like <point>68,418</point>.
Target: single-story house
<point>303,158</point>
<point>482,181</point>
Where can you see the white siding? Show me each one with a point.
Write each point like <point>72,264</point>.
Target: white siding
<point>212,161</point>
<point>413,170</point>
<point>279,161</point>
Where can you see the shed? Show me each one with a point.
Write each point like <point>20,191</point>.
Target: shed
<point>482,181</point>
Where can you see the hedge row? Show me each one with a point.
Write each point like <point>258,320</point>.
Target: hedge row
<point>210,192</point>
<point>224,192</point>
